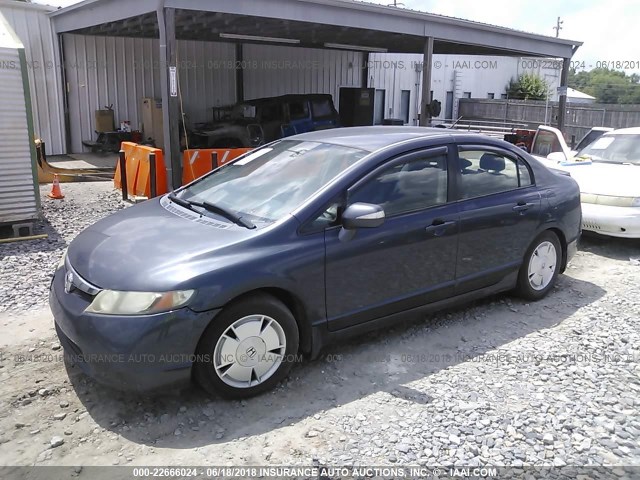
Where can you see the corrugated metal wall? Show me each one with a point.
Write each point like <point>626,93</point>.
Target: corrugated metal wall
<point>477,74</point>
<point>31,24</point>
<point>103,71</point>
<point>117,71</point>
<point>278,70</point>
<point>394,73</point>
<point>17,196</point>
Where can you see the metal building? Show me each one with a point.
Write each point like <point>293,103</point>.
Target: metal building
<point>196,53</point>
<point>31,23</point>
<point>19,194</point>
<point>397,81</point>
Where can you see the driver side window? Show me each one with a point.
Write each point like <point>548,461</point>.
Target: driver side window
<point>406,187</point>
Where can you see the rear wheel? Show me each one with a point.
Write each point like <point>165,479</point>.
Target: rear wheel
<point>248,348</point>
<point>540,268</point>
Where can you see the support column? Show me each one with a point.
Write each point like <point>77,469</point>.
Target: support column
<point>427,60</point>
<point>67,147</point>
<point>562,100</point>
<point>239,73</point>
<point>364,79</point>
<point>170,104</point>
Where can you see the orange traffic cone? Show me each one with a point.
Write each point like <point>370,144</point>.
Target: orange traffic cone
<point>55,192</point>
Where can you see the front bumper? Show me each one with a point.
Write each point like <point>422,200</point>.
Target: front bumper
<point>613,221</point>
<point>139,353</point>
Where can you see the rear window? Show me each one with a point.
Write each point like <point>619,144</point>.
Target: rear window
<point>322,107</point>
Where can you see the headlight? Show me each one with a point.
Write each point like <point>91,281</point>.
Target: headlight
<point>610,200</point>
<point>110,302</point>
<point>62,259</point>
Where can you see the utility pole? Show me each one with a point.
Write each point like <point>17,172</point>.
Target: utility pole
<point>558,27</point>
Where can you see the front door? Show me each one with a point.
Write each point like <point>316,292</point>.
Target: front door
<point>299,116</point>
<point>499,215</point>
<point>406,262</point>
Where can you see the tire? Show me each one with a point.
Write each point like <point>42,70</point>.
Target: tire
<point>540,267</point>
<point>256,359</point>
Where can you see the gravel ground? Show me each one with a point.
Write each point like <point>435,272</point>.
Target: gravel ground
<point>497,382</point>
<point>26,267</point>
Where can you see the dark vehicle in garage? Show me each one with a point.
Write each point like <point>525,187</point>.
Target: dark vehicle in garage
<point>304,241</point>
<point>255,122</point>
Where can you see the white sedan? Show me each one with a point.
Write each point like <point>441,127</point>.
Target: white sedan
<point>608,172</point>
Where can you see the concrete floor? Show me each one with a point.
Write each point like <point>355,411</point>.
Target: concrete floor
<point>84,160</point>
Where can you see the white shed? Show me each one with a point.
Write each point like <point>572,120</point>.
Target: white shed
<point>19,192</point>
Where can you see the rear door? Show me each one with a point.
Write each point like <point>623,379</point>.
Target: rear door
<point>499,215</point>
<point>410,259</point>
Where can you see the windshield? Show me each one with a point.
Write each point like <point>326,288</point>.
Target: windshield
<point>271,182</point>
<point>622,148</point>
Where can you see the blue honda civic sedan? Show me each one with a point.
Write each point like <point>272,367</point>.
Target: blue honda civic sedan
<point>316,237</point>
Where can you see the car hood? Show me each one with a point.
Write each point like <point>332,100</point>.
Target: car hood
<point>149,248</point>
<point>606,179</point>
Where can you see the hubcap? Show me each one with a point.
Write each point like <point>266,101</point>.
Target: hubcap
<point>542,265</point>
<point>249,351</point>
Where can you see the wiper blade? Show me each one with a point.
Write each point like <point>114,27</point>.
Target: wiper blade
<point>234,217</point>
<point>243,222</point>
<point>179,201</point>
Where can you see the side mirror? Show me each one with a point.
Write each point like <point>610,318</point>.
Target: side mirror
<point>362,215</point>
<point>557,157</point>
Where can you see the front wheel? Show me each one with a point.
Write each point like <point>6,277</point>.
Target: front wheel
<point>248,348</point>
<point>540,268</point>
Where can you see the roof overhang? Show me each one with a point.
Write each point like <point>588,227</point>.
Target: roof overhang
<point>308,23</point>
<point>26,5</point>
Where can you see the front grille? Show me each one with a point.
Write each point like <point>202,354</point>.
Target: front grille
<point>80,283</point>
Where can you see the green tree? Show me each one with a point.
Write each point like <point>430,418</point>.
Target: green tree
<point>527,87</point>
<point>608,86</point>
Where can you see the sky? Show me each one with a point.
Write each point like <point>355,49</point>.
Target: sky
<point>606,27</point>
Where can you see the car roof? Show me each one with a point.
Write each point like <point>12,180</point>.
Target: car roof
<point>625,131</point>
<point>371,138</point>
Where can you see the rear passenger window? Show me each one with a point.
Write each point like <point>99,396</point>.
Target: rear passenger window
<point>407,187</point>
<point>525,175</point>
<point>298,110</point>
<point>485,173</point>
<point>270,113</point>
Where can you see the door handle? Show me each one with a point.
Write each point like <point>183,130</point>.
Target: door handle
<point>439,226</point>
<point>522,207</point>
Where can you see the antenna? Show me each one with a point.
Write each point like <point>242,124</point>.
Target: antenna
<point>558,27</point>
<point>395,4</point>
